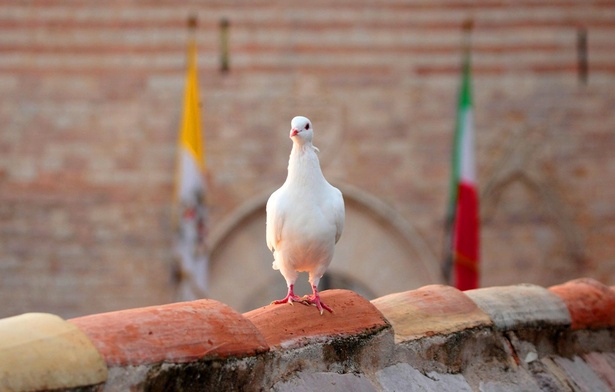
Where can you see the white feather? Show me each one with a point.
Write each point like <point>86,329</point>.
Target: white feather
<point>305,217</point>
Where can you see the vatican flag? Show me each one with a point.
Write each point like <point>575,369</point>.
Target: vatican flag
<point>190,191</point>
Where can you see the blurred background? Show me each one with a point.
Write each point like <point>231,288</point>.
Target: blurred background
<point>91,96</point>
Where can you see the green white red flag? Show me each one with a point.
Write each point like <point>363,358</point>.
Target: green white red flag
<point>463,218</point>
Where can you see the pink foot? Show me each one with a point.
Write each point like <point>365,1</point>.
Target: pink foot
<point>290,298</point>
<point>314,299</point>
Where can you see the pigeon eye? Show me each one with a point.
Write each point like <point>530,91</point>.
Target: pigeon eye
<point>307,126</point>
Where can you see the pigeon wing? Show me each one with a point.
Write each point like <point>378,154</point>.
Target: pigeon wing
<point>338,214</point>
<point>275,220</point>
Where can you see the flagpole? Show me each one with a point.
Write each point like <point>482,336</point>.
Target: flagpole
<point>448,258</point>
<point>192,22</point>
<point>466,44</point>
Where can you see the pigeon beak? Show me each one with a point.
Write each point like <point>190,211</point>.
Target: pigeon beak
<point>293,132</point>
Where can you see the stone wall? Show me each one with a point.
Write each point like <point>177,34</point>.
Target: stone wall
<point>436,338</point>
<point>90,96</point>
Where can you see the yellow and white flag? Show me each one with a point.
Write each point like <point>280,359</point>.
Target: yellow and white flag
<point>190,191</point>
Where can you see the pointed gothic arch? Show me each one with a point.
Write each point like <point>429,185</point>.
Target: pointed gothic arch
<point>526,227</point>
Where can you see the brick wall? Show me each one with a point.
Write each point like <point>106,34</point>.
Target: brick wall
<point>90,96</point>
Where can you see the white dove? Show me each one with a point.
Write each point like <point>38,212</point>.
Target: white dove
<point>305,218</point>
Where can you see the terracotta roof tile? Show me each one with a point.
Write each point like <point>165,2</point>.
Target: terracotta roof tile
<point>521,305</point>
<point>289,326</point>
<point>591,303</point>
<point>435,309</point>
<point>40,351</point>
<point>179,332</point>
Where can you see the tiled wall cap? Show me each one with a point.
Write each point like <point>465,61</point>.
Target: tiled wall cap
<point>591,303</point>
<point>435,309</point>
<point>523,305</point>
<point>289,326</point>
<point>40,351</point>
<point>176,333</point>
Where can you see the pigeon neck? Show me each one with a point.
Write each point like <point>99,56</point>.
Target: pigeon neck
<point>303,165</point>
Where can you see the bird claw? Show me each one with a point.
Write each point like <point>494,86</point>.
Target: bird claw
<point>315,301</point>
<point>307,300</point>
<point>289,299</point>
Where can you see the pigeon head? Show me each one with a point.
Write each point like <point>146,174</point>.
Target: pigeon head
<point>301,130</point>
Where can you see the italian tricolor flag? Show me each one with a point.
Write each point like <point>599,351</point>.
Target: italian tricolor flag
<point>463,207</point>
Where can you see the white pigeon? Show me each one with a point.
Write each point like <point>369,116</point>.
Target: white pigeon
<point>305,218</point>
